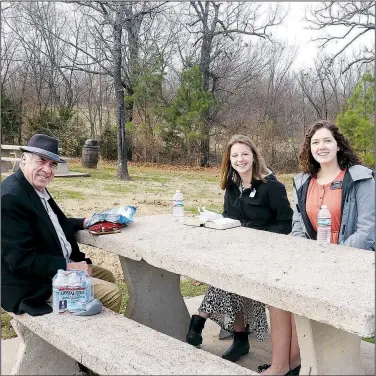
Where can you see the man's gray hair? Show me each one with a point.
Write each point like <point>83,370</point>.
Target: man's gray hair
<point>25,156</point>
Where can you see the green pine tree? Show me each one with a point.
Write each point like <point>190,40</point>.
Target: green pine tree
<point>357,120</point>
<point>10,119</point>
<point>183,120</point>
<point>147,93</point>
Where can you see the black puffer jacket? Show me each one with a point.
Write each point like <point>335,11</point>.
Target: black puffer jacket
<point>269,208</point>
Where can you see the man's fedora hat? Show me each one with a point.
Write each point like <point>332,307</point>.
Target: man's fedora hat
<point>45,146</point>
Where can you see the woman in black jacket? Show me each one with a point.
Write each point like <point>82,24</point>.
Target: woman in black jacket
<point>259,201</point>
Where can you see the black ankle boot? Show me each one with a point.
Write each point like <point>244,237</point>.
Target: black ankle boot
<point>195,329</point>
<point>239,347</point>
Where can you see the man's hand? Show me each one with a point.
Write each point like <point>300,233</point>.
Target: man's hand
<point>86,221</point>
<point>82,265</point>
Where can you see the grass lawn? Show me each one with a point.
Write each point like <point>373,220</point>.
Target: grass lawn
<point>370,340</point>
<point>6,328</point>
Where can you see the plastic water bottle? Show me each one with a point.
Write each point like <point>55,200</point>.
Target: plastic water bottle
<point>178,206</point>
<point>74,279</point>
<point>60,281</point>
<point>87,282</point>
<point>324,226</point>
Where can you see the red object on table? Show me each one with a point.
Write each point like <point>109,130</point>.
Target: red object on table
<point>105,227</point>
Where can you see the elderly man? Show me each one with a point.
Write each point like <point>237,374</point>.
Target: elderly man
<point>37,238</point>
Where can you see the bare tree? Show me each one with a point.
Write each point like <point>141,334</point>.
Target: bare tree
<point>102,39</point>
<point>237,74</point>
<point>315,89</point>
<point>95,100</point>
<point>212,21</point>
<point>106,23</point>
<point>35,26</point>
<point>9,47</point>
<point>355,18</point>
<point>327,88</point>
<point>272,112</point>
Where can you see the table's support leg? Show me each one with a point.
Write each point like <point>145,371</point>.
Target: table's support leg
<point>223,334</point>
<point>16,166</point>
<point>326,350</point>
<point>37,357</point>
<point>63,168</point>
<point>6,166</point>
<point>155,299</point>
<point>17,154</point>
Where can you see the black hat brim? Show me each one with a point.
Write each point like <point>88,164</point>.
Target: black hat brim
<point>43,153</point>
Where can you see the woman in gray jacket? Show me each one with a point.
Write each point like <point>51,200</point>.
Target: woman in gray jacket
<point>332,175</point>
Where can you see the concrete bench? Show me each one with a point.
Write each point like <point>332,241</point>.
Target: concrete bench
<point>108,344</point>
<point>9,163</point>
<point>10,151</point>
<point>10,159</point>
<point>329,289</point>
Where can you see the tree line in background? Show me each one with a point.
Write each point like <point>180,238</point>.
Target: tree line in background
<point>171,82</point>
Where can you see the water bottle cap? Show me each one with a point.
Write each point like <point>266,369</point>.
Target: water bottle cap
<point>74,279</point>
<point>178,191</point>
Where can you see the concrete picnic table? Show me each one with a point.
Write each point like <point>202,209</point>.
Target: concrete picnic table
<point>329,289</point>
<point>10,152</point>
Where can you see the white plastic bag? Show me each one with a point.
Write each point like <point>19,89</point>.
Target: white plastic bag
<point>207,215</point>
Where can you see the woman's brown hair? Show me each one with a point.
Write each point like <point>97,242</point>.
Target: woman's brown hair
<point>228,174</point>
<point>346,155</point>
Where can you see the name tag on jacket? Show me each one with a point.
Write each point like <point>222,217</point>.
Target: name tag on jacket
<point>336,185</point>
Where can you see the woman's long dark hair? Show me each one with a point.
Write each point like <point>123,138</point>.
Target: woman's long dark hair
<point>346,155</point>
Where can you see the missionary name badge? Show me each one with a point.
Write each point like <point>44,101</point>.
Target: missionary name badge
<point>253,193</point>
<point>336,185</point>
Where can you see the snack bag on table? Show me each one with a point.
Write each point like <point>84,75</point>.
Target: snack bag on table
<point>110,221</point>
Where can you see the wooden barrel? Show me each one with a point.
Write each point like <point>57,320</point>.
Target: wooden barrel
<point>90,154</point>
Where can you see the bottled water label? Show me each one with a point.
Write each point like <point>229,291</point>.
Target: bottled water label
<point>324,225</point>
<point>71,291</point>
<point>324,221</point>
<point>178,205</point>
<point>70,299</point>
<point>178,209</point>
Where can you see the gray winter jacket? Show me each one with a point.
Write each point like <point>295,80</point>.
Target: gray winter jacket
<point>358,208</point>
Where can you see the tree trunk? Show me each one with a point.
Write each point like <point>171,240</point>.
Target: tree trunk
<point>19,138</point>
<point>122,171</point>
<point>132,25</point>
<point>129,104</point>
<point>205,71</point>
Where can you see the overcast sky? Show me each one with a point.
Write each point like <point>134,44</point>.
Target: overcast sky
<point>294,31</point>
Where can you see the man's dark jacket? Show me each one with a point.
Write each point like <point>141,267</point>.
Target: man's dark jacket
<point>31,253</point>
